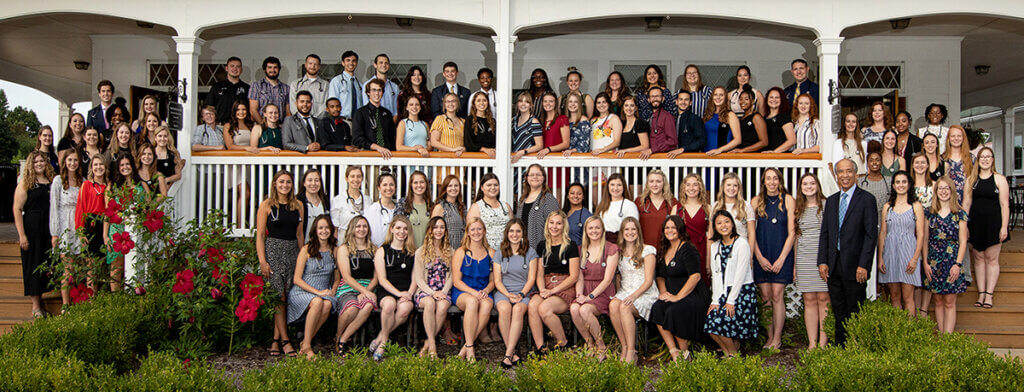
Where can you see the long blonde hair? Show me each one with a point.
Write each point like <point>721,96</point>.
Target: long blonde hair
<point>972,178</point>
<point>702,195</point>
<point>429,249</point>
<point>585,246</point>
<point>741,213</point>
<point>564,237</point>
<point>465,236</point>
<point>350,236</point>
<point>954,204</point>
<point>29,178</point>
<point>409,245</point>
<point>638,245</point>
<point>965,149</point>
<point>666,189</point>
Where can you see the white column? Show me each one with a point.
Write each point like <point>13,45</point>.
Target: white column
<point>188,67</point>
<point>828,62</point>
<point>1008,132</point>
<point>503,46</point>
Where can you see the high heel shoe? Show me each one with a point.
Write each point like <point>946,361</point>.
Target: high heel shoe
<point>510,363</point>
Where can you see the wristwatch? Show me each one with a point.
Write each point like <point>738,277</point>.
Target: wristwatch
<point>591,295</point>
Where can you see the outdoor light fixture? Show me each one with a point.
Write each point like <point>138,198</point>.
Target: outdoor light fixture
<point>81,65</point>
<point>145,25</point>
<point>982,69</point>
<point>404,22</point>
<point>899,24</point>
<point>653,22</point>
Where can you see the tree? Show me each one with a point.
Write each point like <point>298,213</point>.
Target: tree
<point>18,129</point>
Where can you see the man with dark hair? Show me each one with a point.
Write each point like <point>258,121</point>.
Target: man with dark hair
<point>346,87</point>
<point>97,117</point>
<point>298,132</point>
<point>663,136</point>
<point>373,127</point>
<point>802,85</point>
<point>450,71</point>
<point>334,133</point>
<point>310,81</point>
<point>690,136</point>
<point>486,78</point>
<point>269,90</point>
<point>382,64</point>
<point>225,92</point>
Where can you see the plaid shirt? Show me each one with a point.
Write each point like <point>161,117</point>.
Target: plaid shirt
<point>264,92</point>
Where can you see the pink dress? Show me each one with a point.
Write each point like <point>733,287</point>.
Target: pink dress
<point>593,274</point>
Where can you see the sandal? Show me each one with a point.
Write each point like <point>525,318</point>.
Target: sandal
<point>290,354</point>
<point>510,363</point>
<point>38,313</point>
<point>980,302</point>
<point>922,312</point>
<point>275,352</point>
<point>378,354</point>
<point>987,305</point>
<point>341,349</point>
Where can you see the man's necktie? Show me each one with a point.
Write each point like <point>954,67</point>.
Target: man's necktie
<point>353,97</point>
<point>844,202</point>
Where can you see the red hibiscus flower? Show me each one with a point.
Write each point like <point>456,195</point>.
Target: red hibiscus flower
<point>252,286</point>
<point>218,274</point>
<point>113,212</point>
<point>247,309</point>
<point>184,284</point>
<point>154,221</point>
<point>215,294</point>
<point>123,243</point>
<point>213,255</point>
<point>81,293</point>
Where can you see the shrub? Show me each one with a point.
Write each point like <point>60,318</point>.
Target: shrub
<point>879,327</point>
<point>708,373</point>
<point>572,371</point>
<point>163,371</point>
<point>356,373</point>
<point>53,371</point>
<point>410,373</point>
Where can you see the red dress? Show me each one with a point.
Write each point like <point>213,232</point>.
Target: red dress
<point>697,229</point>
<point>553,137</point>
<point>651,219</point>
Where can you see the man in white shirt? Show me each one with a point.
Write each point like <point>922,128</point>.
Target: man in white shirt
<point>486,78</point>
<point>310,81</point>
<point>382,64</point>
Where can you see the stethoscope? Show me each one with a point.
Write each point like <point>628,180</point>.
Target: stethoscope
<point>586,260</point>
<point>505,262</point>
<point>389,261</point>
<point>319,82</point>
<point>579,220</point>
<point>352,202</point>
<point>561,257</point>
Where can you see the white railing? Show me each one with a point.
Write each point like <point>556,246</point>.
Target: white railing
<point>236,182</point>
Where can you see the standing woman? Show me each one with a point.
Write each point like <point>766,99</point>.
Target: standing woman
<point>850,145</point>
<point>920,180</point>
<point>63,202</point>
<point>958,160</point>
<point>125,177</point>
<point>574,79</point>
<point>494,213</point>
<point>580,133</point>
<point>278,238</point>
<point>515,273</point>
<point>554,126</point>
<point>123,143</point>
<point>316,280</point>
<point>557,274</point>
<point>417,206</point>
<point>527,134</point>
<point>683,297</point>
<point>773,242</point>
<point>936,115</point>
<point>415,85</point>
<point>411,131</point>
<point>654,204</point>
<point>393,265</point>
<point>473,284</point>
<point>877,123</point>
<point>901,240</point>
<point>615,205</point>
<point>575,209</point>
<point>31,217</point>
<point>637,292</point>
<point>356,295</point>
<point>451,206</point>
<point>987,199</point>
<point>810,204</point>
<point>653,77</point>
<point>730,199</point>
<point>753,130</point>
<point>432,272</point>
<point>146,133</point>
<point>146,163</point>
<point>635,132</point>
<point>732,315</point>
<point>907,143</point>
<point>947,247</point>
<point>806,125</point>
<point>781,137</point>
<point>742,81</point>
<point>539,87</point>
<point>72,133</point>
<point>599,260</point>
<point>446,131</point>
<point>720,123</point>
<point>149,106</point>
<point>892,162</point>
<point>535,203</point>
<point>930,149</point>
<point>168,161</point>
<point>699,92</point>
<point>89,209</point>
<point>91,146</point>
<point>44,144</point>
<point>313,198</point>
<point>381,212</point>
<point>874,182</point>
<point>615,88</point>
<point>693,207</point>
<point>350,203</point>
<point>478,130</point>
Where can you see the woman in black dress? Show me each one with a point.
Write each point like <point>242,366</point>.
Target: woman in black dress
<point>393,264</point>
<point>278,238</point>
<point>31,218</point>
<point>683,298</point>
<point>987,200</point>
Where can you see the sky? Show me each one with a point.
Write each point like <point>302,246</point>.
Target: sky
<point>45,106</point>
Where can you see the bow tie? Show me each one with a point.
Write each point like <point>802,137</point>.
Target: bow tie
<point>338,121</point>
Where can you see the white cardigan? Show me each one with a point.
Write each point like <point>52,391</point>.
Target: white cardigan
<point>737,271</point>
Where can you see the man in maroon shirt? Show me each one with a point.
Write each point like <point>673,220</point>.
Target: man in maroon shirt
<point>663,123</point>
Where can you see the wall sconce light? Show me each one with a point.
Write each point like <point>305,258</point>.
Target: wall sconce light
<point>982,69</point>
<point>145,25</point>
<point>899,24</point>
<point>81,65</point>
<point>653,22</point>
<point>404,22</point>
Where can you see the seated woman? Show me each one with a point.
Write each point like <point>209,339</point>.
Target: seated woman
<point>598,262</point>
<point>732,315</point>
<point>393,264</point>
<point>515,273</point>
<point>207,136</point>
<point>753,129</point>
<point>527,134</point>
<point>268,135</point>
<point>432,272</point>
<point>683,298</point>
<point>478,129</point>
<point>556,280</point>
<point>636,292</point>
<point>473,284</point>
<point>447,128</point>
<point>315,282</point>
<point>412,131</point>
<point>575,209</point>
<point>356,296</point>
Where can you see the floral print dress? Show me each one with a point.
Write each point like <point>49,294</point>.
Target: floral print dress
<point>744,324</point>
<point>437,272</point>
<point>943,246</point>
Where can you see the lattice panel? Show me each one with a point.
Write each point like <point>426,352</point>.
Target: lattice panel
<point>719,75</point>
<point>633,74</point>
<point>165,74</point>
<point>396,74</point>
<point>871,76</point>
<point>210,74</point>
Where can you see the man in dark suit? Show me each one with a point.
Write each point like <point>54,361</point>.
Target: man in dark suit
<point>298,133</point>
<point>846,247</point>
<point>97,117</point>
<point>451,74</point>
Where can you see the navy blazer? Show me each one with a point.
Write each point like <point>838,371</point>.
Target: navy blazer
<point>437,99</point>
<point>857,239</point>
<point>96,118</point>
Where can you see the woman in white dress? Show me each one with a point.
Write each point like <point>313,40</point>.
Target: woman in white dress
<point>63,200</point>
<point>636,291</point>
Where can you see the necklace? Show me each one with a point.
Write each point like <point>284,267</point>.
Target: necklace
<point>775,210</point>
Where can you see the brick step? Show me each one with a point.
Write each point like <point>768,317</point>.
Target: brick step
<point>999,337</point>
<point>1004,295</point>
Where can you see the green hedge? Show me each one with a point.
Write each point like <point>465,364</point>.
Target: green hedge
<point>708,373</point>
<point>573,371</point>
<point>56,370</point>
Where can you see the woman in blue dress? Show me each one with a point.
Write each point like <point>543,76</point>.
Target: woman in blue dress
<point>772,247</point>
<point>732,315</point>
<point>471,275</point>
<point>947,246</point>
<point>315,281</point>
<point>411,132</point>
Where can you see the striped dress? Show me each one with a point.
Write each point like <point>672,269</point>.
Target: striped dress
<point>900,243</point>
<point>807,278</point>
<point>318,273</point>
